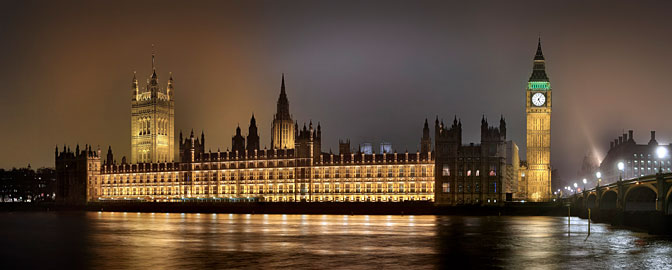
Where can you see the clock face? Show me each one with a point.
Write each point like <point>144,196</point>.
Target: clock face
<point>538,99</point>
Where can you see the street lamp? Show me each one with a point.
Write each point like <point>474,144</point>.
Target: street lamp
<point>621,168</point>
<point>584,183</point>
<point>661,151</point>
<point>575,186</point>
<point>599,178</point>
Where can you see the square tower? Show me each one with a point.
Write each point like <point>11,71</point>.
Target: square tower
<point>538,111</point>
<point>152,121</point>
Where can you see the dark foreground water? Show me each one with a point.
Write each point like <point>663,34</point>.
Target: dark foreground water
<point>107,240</point>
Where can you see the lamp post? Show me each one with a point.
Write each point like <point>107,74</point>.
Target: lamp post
<point>575,186</point>
<point>584,184</point>
<point>599,178</point>
<point>621,168</point>
<point>661,151</point>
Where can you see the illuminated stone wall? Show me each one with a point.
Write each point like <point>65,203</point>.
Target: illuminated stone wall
<point>275,175</point>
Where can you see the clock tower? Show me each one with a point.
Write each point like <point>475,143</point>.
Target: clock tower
<point>538,111</point>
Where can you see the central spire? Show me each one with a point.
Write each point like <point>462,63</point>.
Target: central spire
<point>283,102</point>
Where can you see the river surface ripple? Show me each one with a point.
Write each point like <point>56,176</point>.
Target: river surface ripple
<point>118,240</point>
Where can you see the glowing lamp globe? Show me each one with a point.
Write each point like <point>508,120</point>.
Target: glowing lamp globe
<point>661,152</point>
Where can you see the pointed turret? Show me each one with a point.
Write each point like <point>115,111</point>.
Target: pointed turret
<point>502,127</point>
<point>238,142</point>
<point>425,141</point>
<point>134,87</point>
<point>283,102</point>
<point>539,68</point>
<point>252,135</point>
<point>110,156</point>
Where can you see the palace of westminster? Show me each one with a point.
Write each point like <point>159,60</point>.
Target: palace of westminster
<point>296,169</point>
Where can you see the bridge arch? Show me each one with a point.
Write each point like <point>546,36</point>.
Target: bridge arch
<point>579,202</point>
<point>668,202</point>
<point>591,201</point>
<point>641,197</point>
<point>609,200</point>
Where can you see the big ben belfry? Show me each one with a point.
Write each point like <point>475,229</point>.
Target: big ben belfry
<point>152,121</point>
<point>538,111</point>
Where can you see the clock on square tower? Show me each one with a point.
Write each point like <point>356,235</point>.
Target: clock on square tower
<point>538,112</point>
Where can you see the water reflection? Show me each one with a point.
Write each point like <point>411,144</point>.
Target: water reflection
<point>106,240</point>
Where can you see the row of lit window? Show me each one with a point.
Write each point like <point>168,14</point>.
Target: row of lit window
<point>445,171</point>
<point>270,189</point>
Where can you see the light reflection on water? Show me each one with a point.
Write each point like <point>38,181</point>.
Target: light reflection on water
<point>107,240</point>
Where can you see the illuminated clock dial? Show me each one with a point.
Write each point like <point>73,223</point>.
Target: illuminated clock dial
<point>538,99</point>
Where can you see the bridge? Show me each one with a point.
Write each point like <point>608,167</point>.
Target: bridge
<point>641,202</point>
<point>643,194</point>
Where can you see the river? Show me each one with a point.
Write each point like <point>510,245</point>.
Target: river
<point>118,240</point>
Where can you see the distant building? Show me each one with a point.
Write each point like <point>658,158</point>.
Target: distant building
<point>366,148</point>
<point>638,159</point>
<point>27,185</point>
<point>386,148</point>
<point>590,165</point>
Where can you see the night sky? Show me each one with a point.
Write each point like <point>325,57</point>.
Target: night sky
<point>367,70</point>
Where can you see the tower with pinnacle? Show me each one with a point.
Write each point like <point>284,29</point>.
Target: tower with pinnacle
<point>538,111</point>
<point>282,129</point>
<point>152,120</point>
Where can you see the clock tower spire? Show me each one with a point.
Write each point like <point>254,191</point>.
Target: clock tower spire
<point>538,111</point>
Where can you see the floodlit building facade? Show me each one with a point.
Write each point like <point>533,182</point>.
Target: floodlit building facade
<point>296,169</point>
